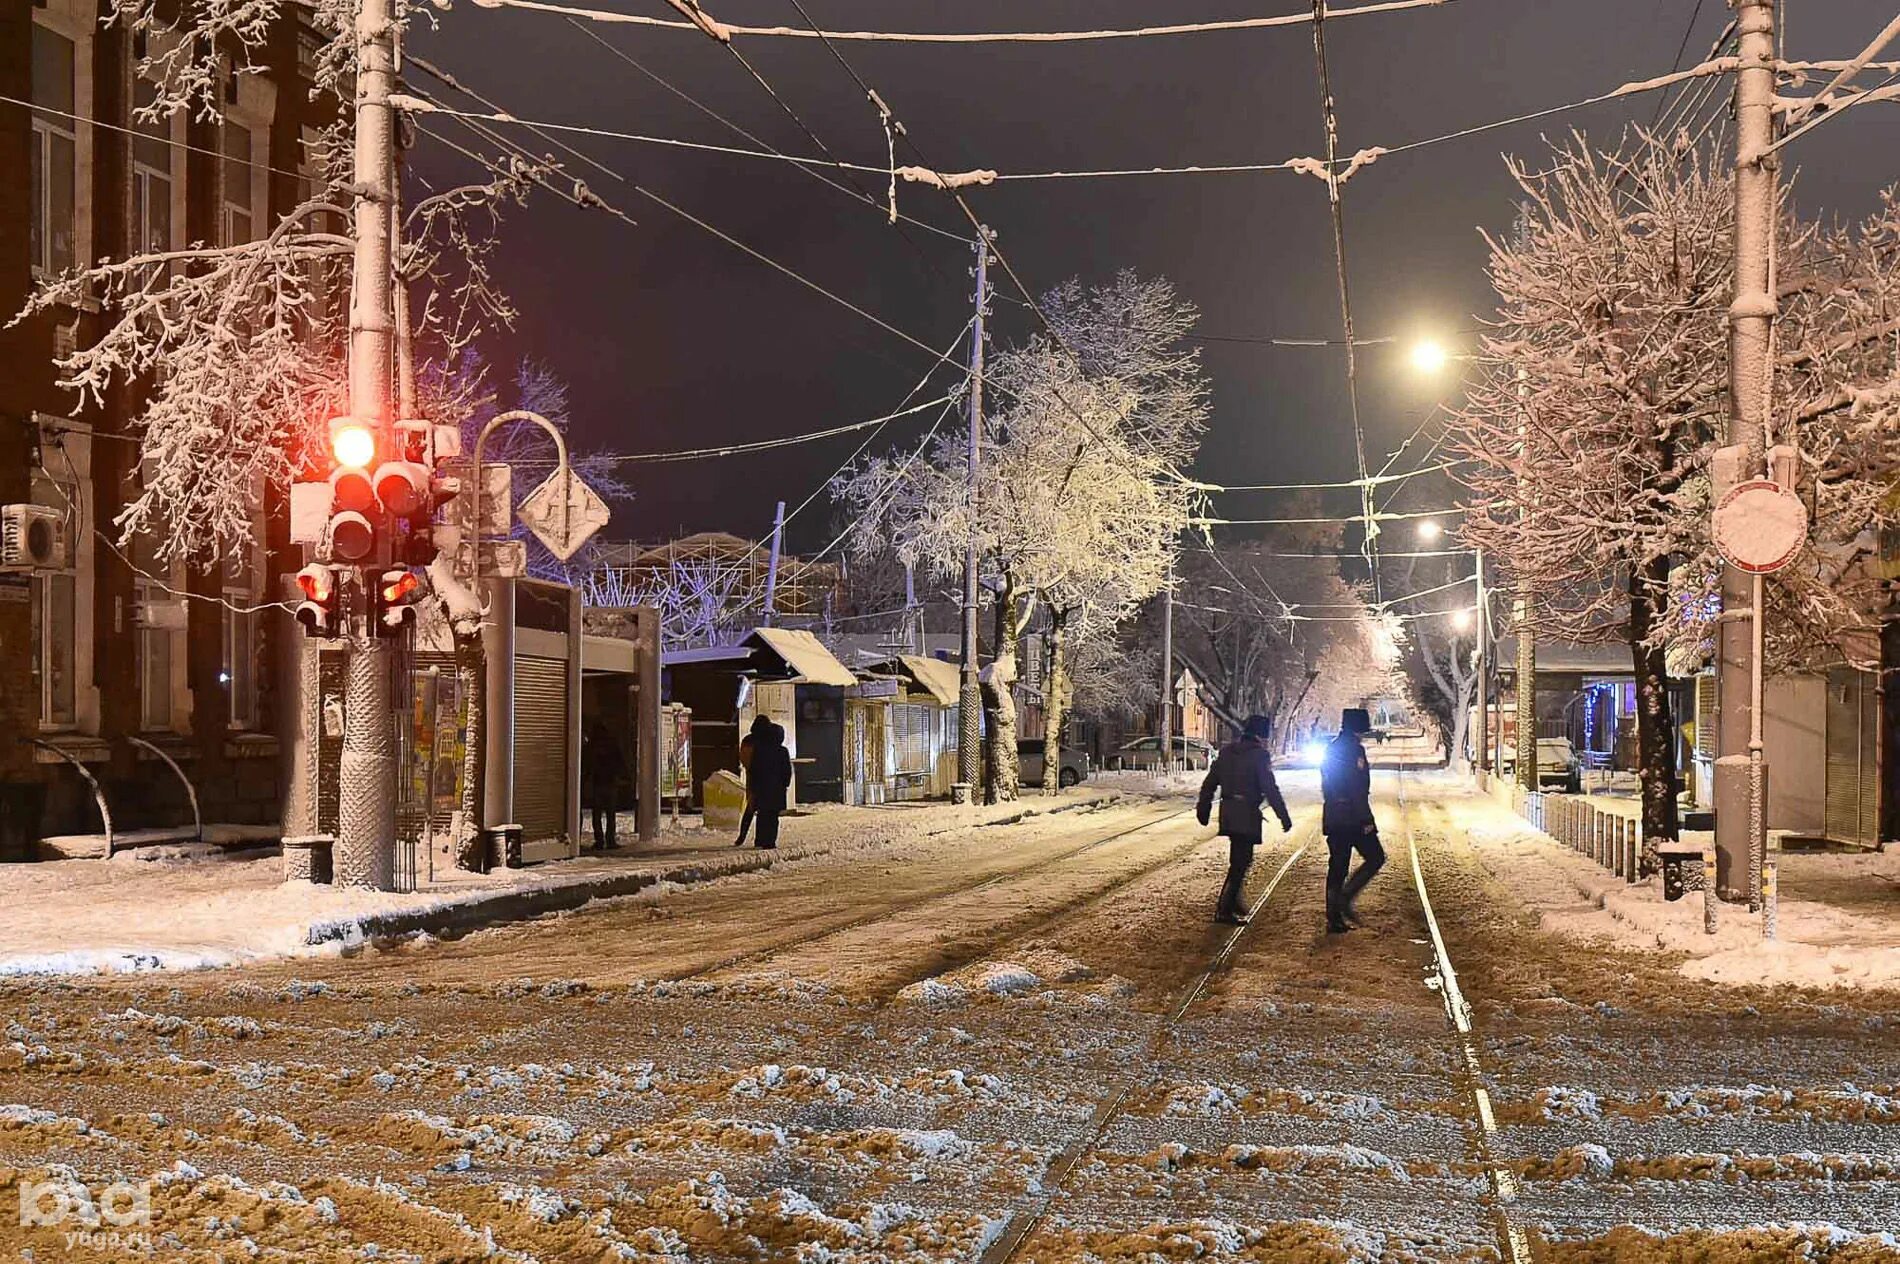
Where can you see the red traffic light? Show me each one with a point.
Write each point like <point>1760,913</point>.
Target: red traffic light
<point>318,582</point>
<point>351,488</point>
<point>352,442</point>
<point>396,593</point>
<point>398,585</point>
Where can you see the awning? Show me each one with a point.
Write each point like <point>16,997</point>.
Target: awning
<point>806,655</point>
<point>940,678</point>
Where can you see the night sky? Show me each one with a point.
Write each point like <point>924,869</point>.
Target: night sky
<point>671,338</point>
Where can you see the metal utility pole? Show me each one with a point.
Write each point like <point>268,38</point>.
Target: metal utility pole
<point>1167,672</point>
<point>366,812</point>
<point>770,613</point>
<point>1739,829</point>
<point>969,695</point>
<point>1483,742</point>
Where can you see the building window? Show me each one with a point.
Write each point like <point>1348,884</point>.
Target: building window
<point>151,178</point>
<point>52,159</point>
<point>237,183</point>
<point>157,614</point>
<point>56,614</point>
<point>239,673</point>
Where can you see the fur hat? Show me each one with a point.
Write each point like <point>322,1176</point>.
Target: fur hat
<point>1355,720</point>
<point>1258,728</point>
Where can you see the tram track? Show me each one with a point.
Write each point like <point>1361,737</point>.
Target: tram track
<point>900,908</point>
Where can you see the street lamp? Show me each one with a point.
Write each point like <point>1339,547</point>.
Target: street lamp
<point>1429,356</point>
<point>1429,531</point>
<point>1461,620</point>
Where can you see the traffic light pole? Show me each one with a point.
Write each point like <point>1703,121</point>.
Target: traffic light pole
<point>364,854</point>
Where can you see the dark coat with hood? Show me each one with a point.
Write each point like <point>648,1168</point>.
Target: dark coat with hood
<point>770,775</point>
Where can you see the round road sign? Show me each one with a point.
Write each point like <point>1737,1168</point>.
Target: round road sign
<point>1759,526</point>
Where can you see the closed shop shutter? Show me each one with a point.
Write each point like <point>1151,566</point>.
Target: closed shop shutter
<point>1851,772</point>
<point>1705,715</point>
<point>910,742</point>
<point>541,748</point>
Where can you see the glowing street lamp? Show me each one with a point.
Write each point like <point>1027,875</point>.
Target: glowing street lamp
<point>1461,620</point>
<point>1429,531</point>
<point>1429,356</point>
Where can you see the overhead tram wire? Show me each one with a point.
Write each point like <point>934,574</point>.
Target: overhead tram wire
<point>809,166</point>
<point>981,37</point>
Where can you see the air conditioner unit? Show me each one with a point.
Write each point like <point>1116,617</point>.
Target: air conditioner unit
<point>32,537</point>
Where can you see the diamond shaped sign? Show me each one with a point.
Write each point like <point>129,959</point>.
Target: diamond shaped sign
<point>563,513</point>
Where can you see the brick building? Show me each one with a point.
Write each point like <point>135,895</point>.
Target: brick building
<point>107,649</point>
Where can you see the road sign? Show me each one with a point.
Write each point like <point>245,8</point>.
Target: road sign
<point>1759,526</point>
<point>563,513</point>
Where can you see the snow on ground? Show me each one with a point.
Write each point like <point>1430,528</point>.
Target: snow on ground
<point>174,908</point>
<point>1840,944</point>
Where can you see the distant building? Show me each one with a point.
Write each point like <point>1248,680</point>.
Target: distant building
<point>730,575</point>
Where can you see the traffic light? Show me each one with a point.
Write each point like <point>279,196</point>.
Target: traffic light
<point>317,610</point>
<point>350,535</point>
<point>397,592</point>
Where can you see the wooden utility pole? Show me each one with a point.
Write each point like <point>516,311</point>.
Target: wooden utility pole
<point>1739,828</point>
<point>969,694</point>
<point>1167,672</point>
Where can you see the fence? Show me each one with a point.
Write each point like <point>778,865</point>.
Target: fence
<point>1611,839</point>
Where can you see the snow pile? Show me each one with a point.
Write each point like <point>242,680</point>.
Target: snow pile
<point>1820,945</point>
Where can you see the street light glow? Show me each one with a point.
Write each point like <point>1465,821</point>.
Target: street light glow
<point>1429,356</point>
<point>1429,531</point>
<point>1461,620</point>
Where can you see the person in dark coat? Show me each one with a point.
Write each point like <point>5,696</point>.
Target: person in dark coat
<point>748,747</point>
<point>603,764</point>
<point>1243,776</point>
<point>1345,779</point>
<point>770,779</point>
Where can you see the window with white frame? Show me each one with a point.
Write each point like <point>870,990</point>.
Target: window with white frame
<point>52,161</point>
<point>159,614</point>
<point>237,220</point>
<point>56,608</point>
<point>151,176</point>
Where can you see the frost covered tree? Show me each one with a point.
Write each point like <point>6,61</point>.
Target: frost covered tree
<point>1081,499</point>
<point>236,350</point>
<point>1601,399</point>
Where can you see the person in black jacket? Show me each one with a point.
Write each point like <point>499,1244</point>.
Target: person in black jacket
<point>603,765</point>
<point>1243,775</point>
<point>769,779</point>
<point>1345,779</point>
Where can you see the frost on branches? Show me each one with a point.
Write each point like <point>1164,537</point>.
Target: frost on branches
<point>1080,499</point>
<point>1602,397</point>
<point>235,350</point>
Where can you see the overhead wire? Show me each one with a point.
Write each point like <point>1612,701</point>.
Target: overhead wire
<point>724,31</point>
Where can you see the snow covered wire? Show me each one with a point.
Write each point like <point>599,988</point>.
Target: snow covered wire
<point>989,37</point>
<point>764,445</point>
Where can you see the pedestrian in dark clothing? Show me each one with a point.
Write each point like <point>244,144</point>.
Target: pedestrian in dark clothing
<point>770,779</point>
<point>1243,775</point>
<point>1345,779</point>
<point>748,746</point>
<point>603,764</point>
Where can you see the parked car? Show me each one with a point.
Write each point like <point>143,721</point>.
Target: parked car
<point>1144,754</point>
<point>1032,756</point>
<point>1558,767</point>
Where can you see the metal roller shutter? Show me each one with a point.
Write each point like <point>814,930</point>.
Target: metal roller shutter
<point>910,743</point>
<point>541,748</point>
<point>1851,778</point>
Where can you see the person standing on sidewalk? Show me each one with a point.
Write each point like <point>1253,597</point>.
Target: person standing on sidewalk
<point>1243,776</point>
<point>769,780</point>
<point>1345,779</point>
<point>603,765</point>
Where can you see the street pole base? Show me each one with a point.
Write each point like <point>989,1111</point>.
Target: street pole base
<point>960,793</point>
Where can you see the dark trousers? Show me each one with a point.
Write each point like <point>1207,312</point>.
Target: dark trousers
<point>768,828</point>
<point>745,822</point>
<point>1341,890</point>
<point>1239,860</point>
<point>604,821</point>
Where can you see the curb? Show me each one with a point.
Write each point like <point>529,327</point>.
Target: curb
<point>479,911</point>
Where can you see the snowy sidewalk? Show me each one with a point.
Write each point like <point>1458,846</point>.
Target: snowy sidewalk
<point>198,907</point>
<point>1839,922</point>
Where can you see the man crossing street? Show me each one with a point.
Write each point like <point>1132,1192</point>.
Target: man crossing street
<point>1243,776</point>
<point>1345,779</point>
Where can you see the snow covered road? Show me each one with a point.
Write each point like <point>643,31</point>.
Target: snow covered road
<point>898,1053</point>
